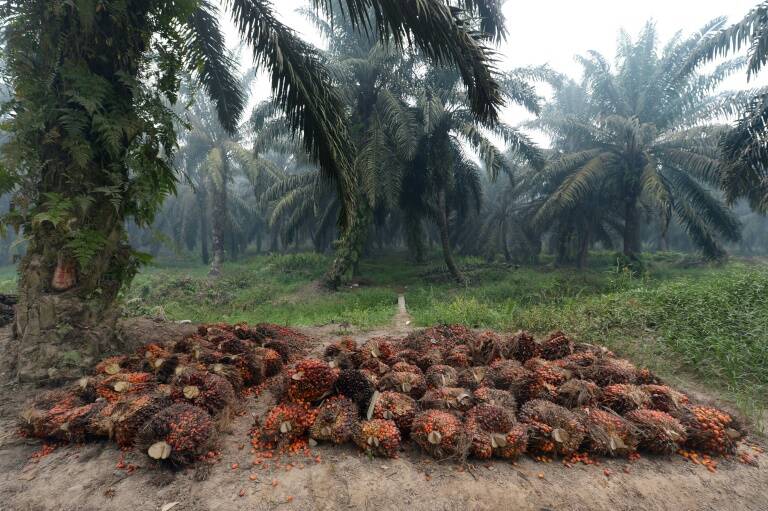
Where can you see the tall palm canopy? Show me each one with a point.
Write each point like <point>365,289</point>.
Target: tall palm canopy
<point>745,147</point>
<point>638,140</point>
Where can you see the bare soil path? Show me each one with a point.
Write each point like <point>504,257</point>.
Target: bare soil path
<point>86,477</point>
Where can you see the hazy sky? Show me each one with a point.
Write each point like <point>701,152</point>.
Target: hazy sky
<point>553,31</point>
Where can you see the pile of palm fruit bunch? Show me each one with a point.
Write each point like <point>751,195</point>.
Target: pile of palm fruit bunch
<point>169,400</point>
<point>451,392</point>
<point>456,393</point>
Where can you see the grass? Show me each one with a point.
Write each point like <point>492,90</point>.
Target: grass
<point>681,317</point>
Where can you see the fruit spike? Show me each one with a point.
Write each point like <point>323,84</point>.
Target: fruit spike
<point>659,432</point>
<point>495,432</point>
<point>441,376</point>
<point>554,429</point>
<point>336,420</point>
<point>310,380</point>
<point>378,437</point>
<point>396,407</point>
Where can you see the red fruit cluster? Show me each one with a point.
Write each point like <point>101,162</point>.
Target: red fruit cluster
<point>310,380</point>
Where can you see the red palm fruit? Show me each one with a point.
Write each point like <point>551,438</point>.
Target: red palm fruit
<point>579,364</point>
<point>441,376</point>
<point>441,434</point>
<point>405,367</point>
<point>411,384</point>
<point>270,361</point>
<point>286,422</point>
<point>507,374</point>
<point>372,377</point>
<point>535,386</point>
<point>459,357</point>
<point>310,380</point>
<point>474,377</point>
<point>335,421</point>
<point>178,434</point>
<point>548,371</point>
<point>578,393</point>
<point>608,434</point>
<point>664,398</point>
<point>622,398</point>
<point>266,332</point>
<point>110,366</point>
<point>356,386</point>
<point>710,430</point>
<point>396,407</point>
<point>209,391</point>
<point>646,377</point>
<point>116,387</point>
<point>447,398</point>
<point>229,372</point>
<point>377,437</point>
<point>556,346</point>
<point>494,431</point>
<point>554,429</point>
<point>496,397</point>
<point>659,432</point>
<point>523,347</point>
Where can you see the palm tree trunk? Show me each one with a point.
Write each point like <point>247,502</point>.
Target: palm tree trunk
<point>218,224</point>
<point>631,228</point>
<point>66,318</point>
<point>504,243</point>
<point>205,256</point>
<point>445,240</point>
<point>583,254</point>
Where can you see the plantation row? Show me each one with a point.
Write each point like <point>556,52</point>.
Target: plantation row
<point>453,392</point>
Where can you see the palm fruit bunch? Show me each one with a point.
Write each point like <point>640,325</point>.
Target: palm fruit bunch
<point>178,434</point>
<point>608,434</point>
<point>441,376</point>
<point>710,430</point>
<point>578,393</point>
<point>407,356</point>
<point>493,431</point>
<point>270,361</point>
<point>459,357</point>
<point>496,397</point>
<point>127,417</point>
<point>266,332</point>
<point>153,354</point>
<point>57,414</point>
<point>377,437</point>
<point>430,358</point>
<point>610,371</point>
<point>411,384</point>
<point>535,385</point>
<point>117,386</point>
<point>488,347</point>
<point>113,365</point>
<point>556,346</point>
<point>281,347</point>
<point>375,367</point>
<point>396,407</point>
<point>356,386</point>
<point>579,364</point>
<point>335,420</point>
<point>310,380</point>
<point>378,348</point>
<point>447,398</point>
<point>554,429</point>
<point>209,391</point>
<point>523,347</point>
<point>405,367</point>
<point>286,422</point>
<point>474,377</point>
<point>339,354</point>
<point>646,377</point>
<point>507,374</point>
<point>623,398</point>
<point>658,432</point>
<point>664,398</point>
<point>441,434</point>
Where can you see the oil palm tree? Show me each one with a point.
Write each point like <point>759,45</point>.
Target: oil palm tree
<point>92,135</point>
<point>643,141</point>
<point>745,150</point>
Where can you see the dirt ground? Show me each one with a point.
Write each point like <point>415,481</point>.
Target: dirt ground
<point>86,477</point>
